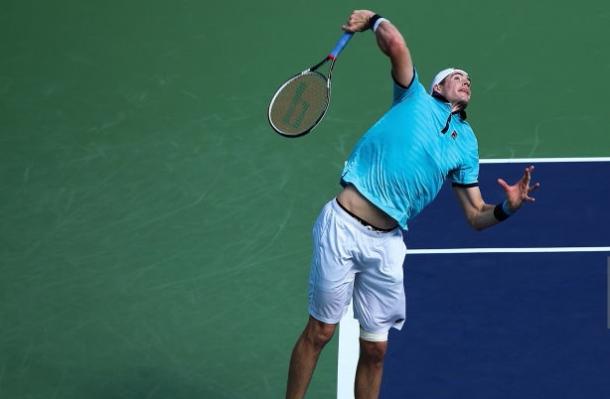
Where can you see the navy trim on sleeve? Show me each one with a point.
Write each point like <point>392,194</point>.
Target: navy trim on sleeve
<point>410,83</point>
<point>465,185</point>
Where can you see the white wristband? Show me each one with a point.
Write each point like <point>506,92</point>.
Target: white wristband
<point>377,23</point>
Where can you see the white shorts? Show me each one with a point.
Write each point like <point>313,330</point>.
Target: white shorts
<point>352,260</point>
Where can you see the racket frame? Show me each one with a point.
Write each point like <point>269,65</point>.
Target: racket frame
<point>332,56</point>
<point>328,94</point>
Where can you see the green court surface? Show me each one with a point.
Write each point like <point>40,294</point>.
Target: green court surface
<point>155,234</point>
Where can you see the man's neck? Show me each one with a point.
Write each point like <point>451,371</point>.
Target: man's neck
<point>457,107</point>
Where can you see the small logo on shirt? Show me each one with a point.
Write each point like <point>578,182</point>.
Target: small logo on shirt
<point>454,135</point>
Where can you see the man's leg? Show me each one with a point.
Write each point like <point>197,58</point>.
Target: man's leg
<point>305,356</point>
<point>370,369</point>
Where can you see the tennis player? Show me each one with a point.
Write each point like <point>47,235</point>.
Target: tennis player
<point>395,170</point>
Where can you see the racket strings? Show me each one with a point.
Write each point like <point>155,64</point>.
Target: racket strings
<point>299,104</point>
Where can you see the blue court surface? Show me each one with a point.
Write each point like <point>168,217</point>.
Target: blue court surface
<point>516,311</point>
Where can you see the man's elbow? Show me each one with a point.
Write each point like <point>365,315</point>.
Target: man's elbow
<point>475,223</point>
<point>478,227</point>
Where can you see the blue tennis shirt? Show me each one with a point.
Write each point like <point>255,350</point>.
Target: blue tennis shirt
<point>401,162</point>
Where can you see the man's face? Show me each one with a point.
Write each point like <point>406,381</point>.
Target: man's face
<point>456,88</point>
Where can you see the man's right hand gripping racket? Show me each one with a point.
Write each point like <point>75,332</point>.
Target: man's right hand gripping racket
<point>301,102</point>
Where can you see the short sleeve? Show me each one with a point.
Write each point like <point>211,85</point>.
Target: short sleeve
<point>467,175</point>
<point>401,92</point>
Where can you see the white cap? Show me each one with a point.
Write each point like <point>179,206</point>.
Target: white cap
<point>443,74</point>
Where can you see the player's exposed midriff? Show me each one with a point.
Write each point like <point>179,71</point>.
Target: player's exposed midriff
<point>358,205</point>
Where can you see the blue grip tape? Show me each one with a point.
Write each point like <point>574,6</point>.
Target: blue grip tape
<point>345,38</point>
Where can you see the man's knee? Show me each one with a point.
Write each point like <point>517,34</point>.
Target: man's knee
<point>373,352</point>
<point>319,333</point>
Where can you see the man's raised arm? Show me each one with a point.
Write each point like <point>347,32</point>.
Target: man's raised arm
<point>389,40</point>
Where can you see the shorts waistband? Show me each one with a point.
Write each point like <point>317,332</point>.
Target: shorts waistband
<point>364,222</point>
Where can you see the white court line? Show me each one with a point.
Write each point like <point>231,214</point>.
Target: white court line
<point>349,350</point>
<point>437,251</point>
<point>349,328</point>
<point>544,160</point>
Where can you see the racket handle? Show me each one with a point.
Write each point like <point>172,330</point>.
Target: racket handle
<point>345,38</point>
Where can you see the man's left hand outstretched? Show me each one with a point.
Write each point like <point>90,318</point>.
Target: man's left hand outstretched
<point>520,191</point>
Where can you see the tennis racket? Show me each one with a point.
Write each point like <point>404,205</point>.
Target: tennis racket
<point>301,102</point>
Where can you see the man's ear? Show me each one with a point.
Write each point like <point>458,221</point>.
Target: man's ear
<point>436,89</point>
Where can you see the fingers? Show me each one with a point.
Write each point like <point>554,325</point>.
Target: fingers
<point>527,177</point>
<point>530,190</point>
<point>357,21</point>
<point>352,24</point>
<point>503,184</point>
<point>534,187</point>
<point>529,199</point>
<point>527,181</point>
<point>520,191</point>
